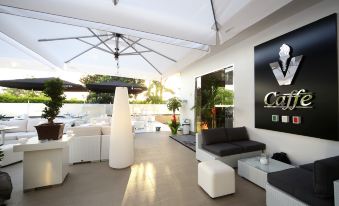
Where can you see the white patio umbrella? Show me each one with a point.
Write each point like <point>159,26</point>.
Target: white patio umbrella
<point>180,30</point>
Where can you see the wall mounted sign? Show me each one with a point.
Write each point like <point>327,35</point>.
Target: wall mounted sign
<point>296,81</point>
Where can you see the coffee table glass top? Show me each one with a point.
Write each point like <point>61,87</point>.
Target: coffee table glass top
<point>272,166</point>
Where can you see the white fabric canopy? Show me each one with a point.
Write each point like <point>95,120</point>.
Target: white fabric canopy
<point>180,30</point>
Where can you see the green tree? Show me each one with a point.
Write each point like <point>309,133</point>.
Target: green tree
<point>105,98</point>
<point>155,92</point>
<point>55,91</point>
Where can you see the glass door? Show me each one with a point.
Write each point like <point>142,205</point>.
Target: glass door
<point>214,99</point>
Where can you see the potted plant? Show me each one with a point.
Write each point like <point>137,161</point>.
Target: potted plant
<point>5,184</point>
<point>55,91</point>
<point>174,104</point>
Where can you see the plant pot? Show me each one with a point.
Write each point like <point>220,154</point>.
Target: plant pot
<point>50,131</point>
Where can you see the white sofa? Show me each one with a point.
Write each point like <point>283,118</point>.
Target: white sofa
<point>25,129</point>
<point>10,157</point>
<point>85,145</point>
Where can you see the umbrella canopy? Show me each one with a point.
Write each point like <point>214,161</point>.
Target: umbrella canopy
<point>37,84</point>
<point>109,87</point>
<point>158,37</point>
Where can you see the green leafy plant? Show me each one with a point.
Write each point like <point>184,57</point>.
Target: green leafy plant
<point>174,104</point>
<point>55,92</point>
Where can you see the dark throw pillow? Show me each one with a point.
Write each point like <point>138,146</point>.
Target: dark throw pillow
<point>213,136</point>
<point>237,134</point>
<point>325,172</point>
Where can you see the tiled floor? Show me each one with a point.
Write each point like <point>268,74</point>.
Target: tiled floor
<point>165,173</point>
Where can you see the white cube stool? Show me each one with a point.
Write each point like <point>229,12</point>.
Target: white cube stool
<point>216,178</point>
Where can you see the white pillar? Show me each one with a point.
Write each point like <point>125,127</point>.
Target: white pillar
<point>121,151</point>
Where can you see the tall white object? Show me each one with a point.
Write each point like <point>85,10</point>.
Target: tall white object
<point>121,151</point>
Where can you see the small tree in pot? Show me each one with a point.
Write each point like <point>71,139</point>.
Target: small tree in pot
<point>174,104</point>
<point>55,91</point>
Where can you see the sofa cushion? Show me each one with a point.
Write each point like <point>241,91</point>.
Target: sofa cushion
<point>32,122</point>
<point>213,136</point>
<point>297,183</point>
<point>20,123</point>
<point>11,136</point>
<point>223,149</point>
<point>237,134</point>
<point>86,131</point>
<point>106,130</point>
<point>308,167</point>
<point>325,172</point>
<point>249,145</point>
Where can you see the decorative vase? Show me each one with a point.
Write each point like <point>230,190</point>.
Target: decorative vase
<point>50,131</point>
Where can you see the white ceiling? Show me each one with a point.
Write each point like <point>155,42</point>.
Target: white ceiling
<point>171,27</point>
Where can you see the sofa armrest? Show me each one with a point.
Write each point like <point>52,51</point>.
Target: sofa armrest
<point>336,192</point>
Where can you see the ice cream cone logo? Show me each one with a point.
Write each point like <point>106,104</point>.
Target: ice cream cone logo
<point>285,69</point>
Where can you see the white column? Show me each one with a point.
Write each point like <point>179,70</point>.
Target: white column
<point>121,151</point>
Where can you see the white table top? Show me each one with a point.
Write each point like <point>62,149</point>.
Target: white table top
<point>272,166</point>
<point>34,144</point>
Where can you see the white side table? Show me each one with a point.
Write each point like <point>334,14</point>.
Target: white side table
<point>254,171</point>
<point>45,162</point>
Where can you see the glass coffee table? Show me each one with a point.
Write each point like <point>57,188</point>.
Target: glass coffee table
<point>254,171</point>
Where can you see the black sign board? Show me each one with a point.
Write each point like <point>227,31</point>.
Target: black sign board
<point>296,81</point>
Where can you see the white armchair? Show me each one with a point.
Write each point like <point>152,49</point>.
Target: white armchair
<point>85,144</point>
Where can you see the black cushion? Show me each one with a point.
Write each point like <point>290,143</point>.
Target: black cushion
<point>297,182</point>
<point>237,134</point>
<point>308,167</point>
<point>213,136</point>
<point>249,145</point>
<point>325,172</point>
<point>223,149</point>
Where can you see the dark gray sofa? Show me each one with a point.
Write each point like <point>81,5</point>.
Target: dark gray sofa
<point>312,183</point>
<point>227,144</point>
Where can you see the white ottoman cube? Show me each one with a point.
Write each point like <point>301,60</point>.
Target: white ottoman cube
<point>216,178</point>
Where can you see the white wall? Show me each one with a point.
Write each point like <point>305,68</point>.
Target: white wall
<point>240,52</point>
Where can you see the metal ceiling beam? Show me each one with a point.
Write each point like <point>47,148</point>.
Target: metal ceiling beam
<point>142,56</point>
<point>134,42</point>
<point>214,17</point>
<point>75,37</point>
<point>103,42</point>
<point>135,53</point>
<point>173,60</point>
<point>94,46</point>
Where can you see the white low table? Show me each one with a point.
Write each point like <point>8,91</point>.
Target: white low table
<point>254,171</point>
<point>45,163</point>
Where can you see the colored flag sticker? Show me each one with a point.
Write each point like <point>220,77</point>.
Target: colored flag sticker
<point>285,119</point>
<point>275,118</point>
<point>296,120</point>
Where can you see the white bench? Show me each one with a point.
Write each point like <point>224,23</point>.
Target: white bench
<point>216,178</point>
